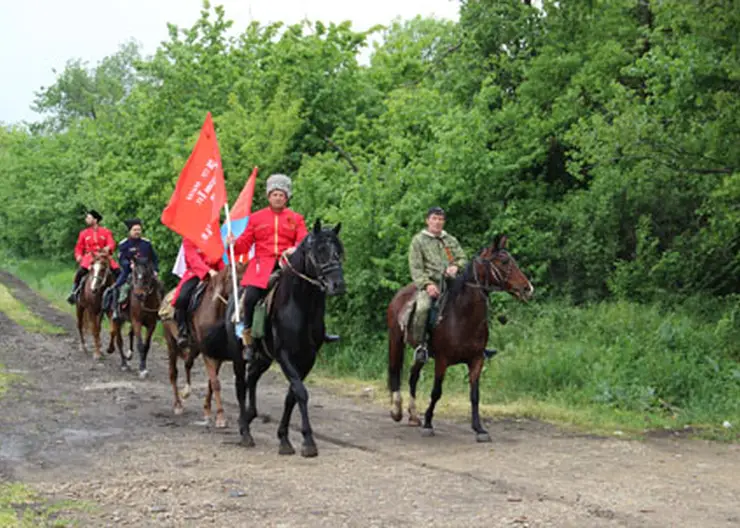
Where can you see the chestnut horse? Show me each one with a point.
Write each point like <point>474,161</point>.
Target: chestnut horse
<point>461,335</point>
<point>143,308</point>
<point>209,312</point>
<point>90,302</point>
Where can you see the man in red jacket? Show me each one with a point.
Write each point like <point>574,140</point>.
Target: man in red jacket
<point>91,240</point>
<point>198,267</point>
<point>273,231</point>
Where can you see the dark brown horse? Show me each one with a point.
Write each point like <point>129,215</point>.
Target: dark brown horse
<point>90,303</point>
<point>461,335</point>
<point>209,312</point>
<point>142,312</point>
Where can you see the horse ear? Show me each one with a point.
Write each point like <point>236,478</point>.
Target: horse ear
<point>317,226</point>
<point>337,228</point>
<point>500,241</point>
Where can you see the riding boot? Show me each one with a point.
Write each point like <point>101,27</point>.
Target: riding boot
<point>247,340</point>
<point>182,328</point>
<point>490,352</point>
<point>330,338</point>
<point>116,309</point>
<point>72,297</point>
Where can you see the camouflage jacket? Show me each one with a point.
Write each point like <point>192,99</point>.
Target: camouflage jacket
<point>430,255</point>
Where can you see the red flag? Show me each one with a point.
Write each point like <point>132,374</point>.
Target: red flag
<point>243,205</point>
<point>195,206</point>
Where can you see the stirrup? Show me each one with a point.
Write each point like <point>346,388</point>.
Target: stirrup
<point>421,354</point>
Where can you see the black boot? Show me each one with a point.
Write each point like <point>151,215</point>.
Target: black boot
<point>490,352</point>
<point>248,344</point>
<point>72,297</point>
<point>330,338</point>
<point>182,329</point>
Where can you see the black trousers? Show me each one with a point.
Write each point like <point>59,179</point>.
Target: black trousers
<point>252,295</point>
<point>181,305</point>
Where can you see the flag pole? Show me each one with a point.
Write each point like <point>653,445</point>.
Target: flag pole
<point>233,265</point>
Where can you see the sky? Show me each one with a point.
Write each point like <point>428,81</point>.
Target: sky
<point>39,35</point>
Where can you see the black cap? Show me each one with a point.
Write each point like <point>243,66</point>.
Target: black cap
<point>96,215</point>
<point>436,210</point>
<point>132,222</point>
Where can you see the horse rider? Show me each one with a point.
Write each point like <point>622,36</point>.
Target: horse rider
<point>129,249</point>
<point>434,255</point>
<point>92,240</point>
<point>198,267</point>
<point>275,230</point>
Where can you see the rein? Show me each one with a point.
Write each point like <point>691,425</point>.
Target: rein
<point>311,280</point>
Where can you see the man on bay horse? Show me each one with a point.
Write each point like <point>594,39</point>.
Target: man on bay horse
<point>129,249</point>
<point>197,267</point>
<point>91,240</point>
<point>275,231</point>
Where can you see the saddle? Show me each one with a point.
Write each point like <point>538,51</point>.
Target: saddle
<point>166,310</point>
<point>434,317</point>
<point>262,308</point>
<point>197,296</point>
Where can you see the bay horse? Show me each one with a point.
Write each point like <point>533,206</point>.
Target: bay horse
<point>90,302</point>
<point>461,335</point>
<point>293,333</point>
<point>209,312</point>
<point>144,300</point>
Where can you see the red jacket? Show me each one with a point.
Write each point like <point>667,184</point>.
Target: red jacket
<point>197,264</point>
<point>92,240</point>
<point>271,233</point>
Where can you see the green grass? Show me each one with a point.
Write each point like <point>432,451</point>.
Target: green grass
<point>607,367</point>
<point>23,508</point>
<point>14,309</point>
<point>6,378</point>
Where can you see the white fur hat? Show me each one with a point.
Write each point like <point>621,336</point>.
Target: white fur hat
<point>279,182</point>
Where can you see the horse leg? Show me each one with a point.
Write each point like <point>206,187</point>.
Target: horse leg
<point>285,446</point>
<point>254,372</point>
<point>172,354</point>
<point>141,347</point>
<point>81,316</point>
<point>96,324</point>
<point>130,351</point>
<point>214,390</point>
<point>147,344</point>
<point>114,330</point>
<point>189,361</point>
<point>300,394</point>
<point>474,369</point>
<point>440,366</point>
<point>413,381</point>
<point>395,366</point>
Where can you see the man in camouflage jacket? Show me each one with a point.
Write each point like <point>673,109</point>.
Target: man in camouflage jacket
<point>434,254</point>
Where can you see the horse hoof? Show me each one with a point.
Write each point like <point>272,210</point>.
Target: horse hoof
<point>143,374</point>
<point>309,451</point>
<point>482,437</point>
<point>396,415</point>
<point>129,354</point>
<point>286,449</point>
<point>220,422</point>
<point>427,432</point>
<point>185,392</point>
<point>178,410</point>
<point>247,441</point>
<point>414,421</point>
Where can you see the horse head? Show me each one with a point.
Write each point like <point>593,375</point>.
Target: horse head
<point>143,280</point>
<point>100,269</point>
<point>496,269</point>
<point>320,257</point>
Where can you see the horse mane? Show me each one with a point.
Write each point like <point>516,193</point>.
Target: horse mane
<point>467,275</point>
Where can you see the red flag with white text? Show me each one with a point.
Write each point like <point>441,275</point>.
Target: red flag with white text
<point>195,206</point>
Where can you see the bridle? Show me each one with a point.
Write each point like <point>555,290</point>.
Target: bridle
<point>323,269</point>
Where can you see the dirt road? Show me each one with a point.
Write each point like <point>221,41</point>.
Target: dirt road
<point>76,430</point>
